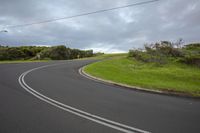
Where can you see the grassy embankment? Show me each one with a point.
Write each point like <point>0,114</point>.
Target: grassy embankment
<point>104,56</point>
<point>169,77</point>
<point>27,61</point>
<point>21,61</point>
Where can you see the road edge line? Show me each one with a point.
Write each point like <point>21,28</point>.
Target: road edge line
<point>103,121</point>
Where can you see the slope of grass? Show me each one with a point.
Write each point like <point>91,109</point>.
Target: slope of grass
<point>21,61</point>
<point>171,77</point>
<point>104,56</point>
<point>107,56</point>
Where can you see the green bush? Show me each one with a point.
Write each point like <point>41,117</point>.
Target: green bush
<point>146,57</point>
<point>166,51</point>
<point>33,52</point>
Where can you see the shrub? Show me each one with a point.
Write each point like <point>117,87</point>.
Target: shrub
<point>192,54</point>
<point>147,57</point>
<point>33,52</point>
<point>165,51</point>
<point>192,60</point>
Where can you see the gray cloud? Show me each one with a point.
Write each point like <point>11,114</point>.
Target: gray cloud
<point>113,31</point>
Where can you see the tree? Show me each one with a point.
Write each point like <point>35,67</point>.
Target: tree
<point>58,53</point>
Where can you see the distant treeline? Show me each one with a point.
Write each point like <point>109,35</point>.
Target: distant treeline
<point>165,51</point>
<point>60,52</point>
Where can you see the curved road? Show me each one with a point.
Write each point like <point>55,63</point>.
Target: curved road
<point>57,99</point>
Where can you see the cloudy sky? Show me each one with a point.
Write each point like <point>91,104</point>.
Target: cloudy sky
<point>113,31</point>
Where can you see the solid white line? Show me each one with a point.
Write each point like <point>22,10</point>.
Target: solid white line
<point>80,113</point>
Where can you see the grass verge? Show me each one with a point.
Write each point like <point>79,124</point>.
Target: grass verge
<point>172,77</point>
<point>99,57</point>
<point>22,61</point>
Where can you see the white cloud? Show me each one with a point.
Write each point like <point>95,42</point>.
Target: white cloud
<point>104,48</point>
<point>114,31</point>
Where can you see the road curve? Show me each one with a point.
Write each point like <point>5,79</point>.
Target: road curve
<point>54,97</point>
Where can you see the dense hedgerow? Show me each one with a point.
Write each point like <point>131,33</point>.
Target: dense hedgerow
<point>35,52</point>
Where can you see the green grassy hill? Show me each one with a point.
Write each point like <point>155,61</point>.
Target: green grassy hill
<point>173,76</point>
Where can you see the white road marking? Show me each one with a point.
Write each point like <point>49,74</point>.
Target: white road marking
<point>75,111</point>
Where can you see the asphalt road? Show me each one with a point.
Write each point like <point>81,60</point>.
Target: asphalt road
<point>110,108</point>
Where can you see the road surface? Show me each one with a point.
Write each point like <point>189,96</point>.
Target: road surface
<point>55,98</point>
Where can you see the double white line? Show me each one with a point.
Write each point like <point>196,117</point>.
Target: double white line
<point>103,121</point>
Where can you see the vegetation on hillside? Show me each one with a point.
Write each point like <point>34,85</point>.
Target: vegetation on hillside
<point>171,77</point>
<point>35,52</point>
<point>165,51</point>
<point>164,66</point>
